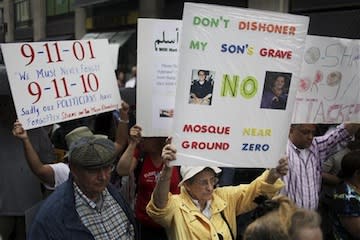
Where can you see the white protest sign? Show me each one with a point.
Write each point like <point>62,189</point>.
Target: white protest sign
<point>329,86</point>
<point>238,71</point>
<point>59,81</point>
<point>158,52</point>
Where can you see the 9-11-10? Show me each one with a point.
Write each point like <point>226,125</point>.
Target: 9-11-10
<point>78,51</point>
<point>90,82</point>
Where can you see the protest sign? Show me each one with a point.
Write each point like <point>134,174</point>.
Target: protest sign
<point>53,82</point>
<point>238,70</point>
<point>158,51</point>
<point>329,86</point>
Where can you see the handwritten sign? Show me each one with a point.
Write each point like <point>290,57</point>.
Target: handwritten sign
<point>238,71</point>
<point>59,81</point>
<point>158,52</point>
<point>329,86</point>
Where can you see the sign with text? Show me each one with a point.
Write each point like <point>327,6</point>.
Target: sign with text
<point>59,81</point>
<point>158,52</point>
<point>329,86</point>
<point>238,71</point>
